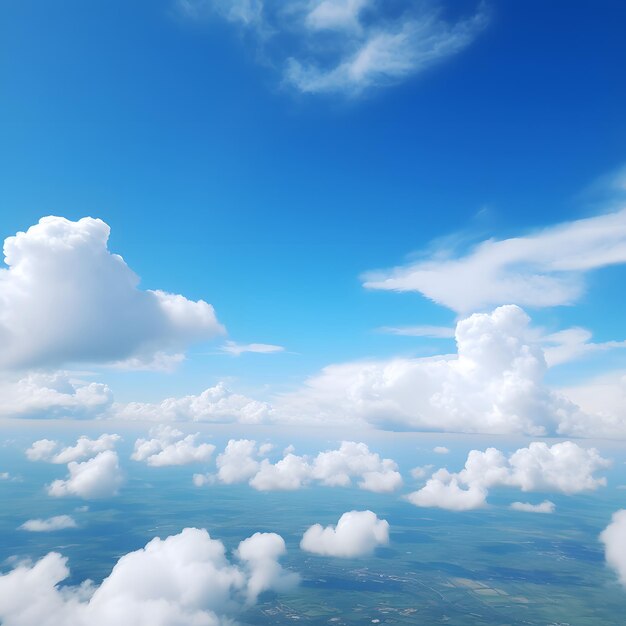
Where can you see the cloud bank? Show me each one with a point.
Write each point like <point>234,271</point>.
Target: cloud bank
<point>183,580</point>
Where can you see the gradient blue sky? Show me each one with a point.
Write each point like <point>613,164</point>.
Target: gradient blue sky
<point>219,182</point>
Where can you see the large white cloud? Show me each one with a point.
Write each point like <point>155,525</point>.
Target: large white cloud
<point>64,298</point>
<point>99,477</point>
<point>241,462</point>
<point>357,533</point>
<point>169,446</point>
<point>493,385</point>
<point>346,46</point>
<point>183,580</point>
<point>614,539</point>
<point>539,270</point>
<point>563,467</point>
<point>215,404</point>
<point>48,450</point>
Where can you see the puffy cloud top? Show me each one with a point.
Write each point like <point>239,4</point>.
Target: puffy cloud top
<point>183,580</point>
<point>614,539</point>
<point>357,533</point>
<point>66,298</point>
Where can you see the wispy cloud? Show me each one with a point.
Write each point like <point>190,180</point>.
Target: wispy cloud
<point>237,349</point>
<point>539,270</point>
<point>435,332</point>
<point>346,46</point>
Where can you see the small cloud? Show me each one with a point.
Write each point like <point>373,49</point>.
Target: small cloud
<point>237,349</point>
<point>434,332</point>
<point>60,522</point>
<point>441,450</point>
<point>357,534</point>
<point>545,507</point>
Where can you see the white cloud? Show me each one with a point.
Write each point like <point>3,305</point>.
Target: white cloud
<point>573,343</point>
<point>59,522</point>
<point>493,385</point>
<point>563,467</point>
<point>241,462</point>
<point>52,395</point>
<point>540,270</point>
<point>385,54</point>
<point>46,449</point>
<point>66,298</point>
<point>441,450</point>
<point>237,349</point>
<point>215,404</point>
<point>99,477</point>
<point>614,539</point>
<point>185,579</point>
<point>345,46</point>
<point>169,446</point>
<point>238,462</point>
<point>544,507</point>
<point>357,534</point>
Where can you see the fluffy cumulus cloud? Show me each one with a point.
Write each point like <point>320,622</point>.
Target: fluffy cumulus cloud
<point>539,270</point>
<point>614,539</point>
<point>48,450</point>
<point>53,394</point>
<point>563,467</point>
<point>215,404</point>
<point>65,298</point>
<point>241,462</point>
<point>183,580</point>
<point>357,533</point>
<point>494,384</point>
<point>346,46</point>
<point>169,446</point>
<point>543,507</point>
<point>99,477</point>
<point>58,522</point>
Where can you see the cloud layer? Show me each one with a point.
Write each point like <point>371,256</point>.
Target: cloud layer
<point>66,298</point>
<point>183,580</point>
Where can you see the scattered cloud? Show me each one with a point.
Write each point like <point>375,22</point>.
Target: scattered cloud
<point>356,534</point>
<point>572,344</point>
<point>441,450</point>
<point>237,349</point>
<point>241,462</point>
<point>169,446</point>
<point>614,539</point>
<point>544,507</point>
<point>66,298</point>
<point>346,46</point>
<point>563,467</point>
<point>60,394</point>
<point>539,270</point>
<point>48,450</point>
<point>99,477</point>
<point>59,522</point>
<point>183,579</point>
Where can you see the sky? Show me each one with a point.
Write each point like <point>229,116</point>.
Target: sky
<point>331,214</point>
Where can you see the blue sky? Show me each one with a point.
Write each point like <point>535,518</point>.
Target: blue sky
<point>256,247</point>
<point>221,182</point>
